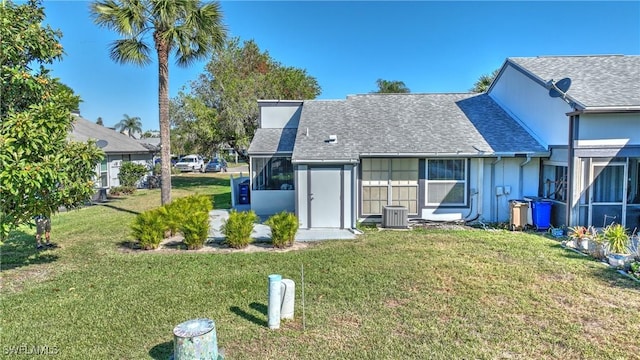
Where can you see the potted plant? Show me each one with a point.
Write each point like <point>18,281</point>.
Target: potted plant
<point>580,235</point>
<point>617,240</point>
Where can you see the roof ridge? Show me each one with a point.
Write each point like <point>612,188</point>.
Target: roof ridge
<point>568,56</point>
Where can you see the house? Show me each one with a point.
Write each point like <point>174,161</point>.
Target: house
<point>458,156</point>
<point>118,148</point>
<point>593,132</point>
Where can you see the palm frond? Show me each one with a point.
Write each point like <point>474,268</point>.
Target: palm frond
<point>200,33</point>
<point>130,51</point>
<point>127,18</point>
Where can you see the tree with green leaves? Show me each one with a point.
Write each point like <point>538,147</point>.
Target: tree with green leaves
<point>190,29</point>
<point>222,107</point>
<point>391,87</point>
<point>195,126</point>
<point>484,81</point>
<point>148,134</point>
<point>40,169</point>
<point>130,125</point>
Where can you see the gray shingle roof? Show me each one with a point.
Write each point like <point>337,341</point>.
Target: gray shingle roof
<point>271,141</point>
<point>597,81</point>
<point>408,124</point>
<point>84,130</point>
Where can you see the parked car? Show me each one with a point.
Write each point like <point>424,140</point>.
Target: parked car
<point>216,165</point>
<point>174,160</point>
<point>190,163</point>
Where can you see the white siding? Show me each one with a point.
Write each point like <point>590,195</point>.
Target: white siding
<point>302,210</point>
<point>507,173</point>
<point>475,177</point>
<point>279,115</point>
<point>609,129</point>
<point>269,202</point>
<point>346,196</point>
<point>113,169</point>
<point>529,102</point>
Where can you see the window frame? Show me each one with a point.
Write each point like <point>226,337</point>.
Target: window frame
<point>550,186</point>
<point>464,182</point>
<point>383,174</point>
<point>262,178</point>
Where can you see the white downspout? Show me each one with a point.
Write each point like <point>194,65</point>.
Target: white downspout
<point>494,197</point>
<point>521,175</point>
<point>477,194</point>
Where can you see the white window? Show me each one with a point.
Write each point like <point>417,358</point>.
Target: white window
<point>389,182</point>
<point>446,182</point>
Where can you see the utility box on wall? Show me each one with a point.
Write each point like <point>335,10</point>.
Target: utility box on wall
<point>395,217</point>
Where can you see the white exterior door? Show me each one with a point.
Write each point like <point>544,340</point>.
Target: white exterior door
<point>325,197</point>
<point>607,194</point>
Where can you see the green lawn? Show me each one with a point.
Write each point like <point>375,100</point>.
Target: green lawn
<point>422,294</point>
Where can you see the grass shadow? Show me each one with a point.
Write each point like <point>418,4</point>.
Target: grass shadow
<point>262,308</point>
<point>222,201</point>
<point>613,278</point>
<point>20,250</point>
<point>247,316</point>
<point>185,182</point>
<point>605,273</point>
<point>162,351</point>
<point>129,245</point>
<point>119,208</point>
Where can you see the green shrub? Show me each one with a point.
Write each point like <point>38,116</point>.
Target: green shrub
<point>283,226</point>
<point>200,202</point>
<point>615,235</point>
<point>195,229</point>
<point>148,229</point>
<point>181,209</point>
<point>237,229</point>
<point>122,190</point>
<point>175,214</point>
<point>130,173</point>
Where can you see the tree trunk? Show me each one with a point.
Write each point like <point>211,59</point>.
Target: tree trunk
<point>163,104</point>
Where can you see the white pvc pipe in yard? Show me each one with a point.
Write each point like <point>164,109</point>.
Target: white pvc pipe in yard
<point>274,301</point>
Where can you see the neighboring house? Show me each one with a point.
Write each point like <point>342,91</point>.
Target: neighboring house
<point>153,144</point>
<point>593,172</point>
<point>118,148</point>
<point>459,156</point>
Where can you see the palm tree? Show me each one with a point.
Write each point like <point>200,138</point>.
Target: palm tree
<point>190,29</point>
<point>483,82</point>
<point>130,125</point>
<point>391,87</point>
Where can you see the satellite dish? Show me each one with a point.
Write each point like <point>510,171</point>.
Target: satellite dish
<point>102,143</point>
<point>560,88</point>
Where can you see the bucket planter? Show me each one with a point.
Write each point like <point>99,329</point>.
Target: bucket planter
<point>581,236</point>
<point>585,244</point>
<point>619,260</point>
<point>617,240</point>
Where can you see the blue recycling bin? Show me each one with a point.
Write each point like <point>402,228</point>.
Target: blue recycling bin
<point>243,193</point>
<point>541,214</point>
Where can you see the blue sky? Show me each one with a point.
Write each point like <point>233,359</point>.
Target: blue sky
<point>430,46</point>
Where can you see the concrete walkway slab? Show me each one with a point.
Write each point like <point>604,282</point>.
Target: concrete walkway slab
<point>262,233</point>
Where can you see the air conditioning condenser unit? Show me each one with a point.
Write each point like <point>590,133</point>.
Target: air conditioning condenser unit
<point>395,217</point>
